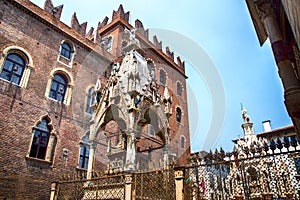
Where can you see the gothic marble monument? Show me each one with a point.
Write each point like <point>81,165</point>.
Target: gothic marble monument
<point>131,99</point>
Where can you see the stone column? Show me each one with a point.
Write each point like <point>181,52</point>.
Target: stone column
<point>50,147</point>
<point>166,156</point>
<point>91,161</point>
<point>285,67</point>
<point>130,151</point>
<point>284,64</point>
<point>128,186</point>
<point>179,183</point>
<point>53,191</point>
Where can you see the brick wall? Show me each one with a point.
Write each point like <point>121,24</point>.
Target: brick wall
<point>21,108</point>
<point>41,34</point>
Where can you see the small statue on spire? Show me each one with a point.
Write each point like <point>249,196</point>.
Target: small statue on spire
<point>244,114</point>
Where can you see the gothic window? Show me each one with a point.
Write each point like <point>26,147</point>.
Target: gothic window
<point>182,144</point>
<point>151,69</point>
<point>40,140</point>
<point>65,50</point>
<point>297,165</point>
<point>13,68</point>
<point>90,100</point>
<point>109,43</point>
<point>178,114</point>
<point>84,153</point>
<point>151,130</point>
<point>58,87</point>
<point>162,77</point>
<point>179,89</point>
<point>84,156</point>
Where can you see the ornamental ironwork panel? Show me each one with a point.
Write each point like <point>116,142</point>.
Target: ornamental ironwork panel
<point>107,187</point>
<point>157,185</point>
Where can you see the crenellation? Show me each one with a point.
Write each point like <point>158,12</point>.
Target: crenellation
<point>120,13</point>
<point>54,11</point>
<point>169,53</point>
<point>179,63</point>
<point>156,43</point>
<point>80,28</point>
<point>48,6</point>
<point>90,33</point>
<point>140,28</point>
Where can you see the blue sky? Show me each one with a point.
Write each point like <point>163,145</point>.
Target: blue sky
<point>224,31</point>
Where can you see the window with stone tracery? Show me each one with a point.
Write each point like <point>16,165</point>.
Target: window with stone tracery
<point>40,140</point>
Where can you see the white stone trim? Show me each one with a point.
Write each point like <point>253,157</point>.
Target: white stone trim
<point>73,53</point>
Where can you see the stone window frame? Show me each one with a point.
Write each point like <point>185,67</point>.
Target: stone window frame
<point>181,116</point>
<point>179,85</point>
<point>182,142</point>
<point>109,45</point>
<point>84,143</point>
<point>62,59</point>
<point>149,60</point>
<point>92,100</point>
<point>166,76</point>
<point>27,58</point>
<point>70,84</point>
<point>51,141</point>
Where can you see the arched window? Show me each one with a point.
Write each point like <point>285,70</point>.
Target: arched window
<point>151,69</point>
<point>179,89</point>
<point>65,50</point>
<point>109,43</point>
<point>13,68</point>
<point>162,77</point>
<point>84,152</point>
<point>182,142</point>
<point>178,114</point>
<point>90,100</point>
<point>40,140</point>
<point>58,87</point>
<point>152,131</point>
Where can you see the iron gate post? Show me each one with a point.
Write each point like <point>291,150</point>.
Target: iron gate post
<point>179,176</point>
<point>128,187</point>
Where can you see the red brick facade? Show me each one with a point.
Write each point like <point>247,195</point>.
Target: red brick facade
<point>38,32</point>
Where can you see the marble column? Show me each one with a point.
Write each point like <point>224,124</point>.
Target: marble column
<point>285,67</point>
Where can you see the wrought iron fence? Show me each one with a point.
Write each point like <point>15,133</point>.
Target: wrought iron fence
<point>257,171</point>
<point>153,185</point>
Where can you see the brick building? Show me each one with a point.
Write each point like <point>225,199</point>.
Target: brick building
<point>48,71</point>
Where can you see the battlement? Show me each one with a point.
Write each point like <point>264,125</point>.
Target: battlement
<point>94,35</point>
